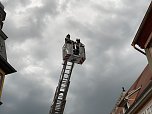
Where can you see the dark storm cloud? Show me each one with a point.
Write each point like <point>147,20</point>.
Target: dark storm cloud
<point>95,91</point>
<point>24,94</point>
<point>13,4</point>
<point>34,19</point>
<point>32,100</point>
<point>104,30</point>
<point>36,35</point>
<point>100,86</point>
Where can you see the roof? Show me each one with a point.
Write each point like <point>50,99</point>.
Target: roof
<point>141,101</point>
<point>142,38</point>
<point>118,102</point>
<point>139,85</point>
<point>143,80</point>
<point>5,66</point>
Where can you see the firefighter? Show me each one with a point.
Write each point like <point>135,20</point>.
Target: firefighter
<point>67,39</point>
<point>77,44</point>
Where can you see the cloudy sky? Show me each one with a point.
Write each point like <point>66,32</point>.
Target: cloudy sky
<point>36,30</point>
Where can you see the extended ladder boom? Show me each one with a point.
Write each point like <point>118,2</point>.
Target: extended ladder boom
<point>59,100</point>
<point>73,52</point>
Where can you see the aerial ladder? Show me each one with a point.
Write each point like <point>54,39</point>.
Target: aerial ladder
<point>73,52</point>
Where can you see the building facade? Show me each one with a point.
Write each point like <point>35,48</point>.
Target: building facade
<point>138,99</point>
<point>5,67</point>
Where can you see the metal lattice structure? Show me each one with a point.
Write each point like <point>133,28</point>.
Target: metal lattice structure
<point>73,52</point>
<point>59,100</point>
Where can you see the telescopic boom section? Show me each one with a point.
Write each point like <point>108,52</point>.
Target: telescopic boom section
<point>59,100</point>
<point>73,52</point>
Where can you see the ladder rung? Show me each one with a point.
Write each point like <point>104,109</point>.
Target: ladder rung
<point>58,110</point>
<point>69,65</point>
<point>63,84</point>
<point>60,99</point>
<point>64,78</point>
<point>64,81</point>
<point>58,103</point>
<point>66,73</point>
<point>61,91</point>
<point>67,69</point>
<point>63,88</point>
<point>58,106</point>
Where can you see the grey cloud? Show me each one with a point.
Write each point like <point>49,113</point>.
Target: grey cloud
<point>97,91</point>
<point>13,4</point>
<point>96,84</point>
<point>34,22</point>
<point>29,97</point>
